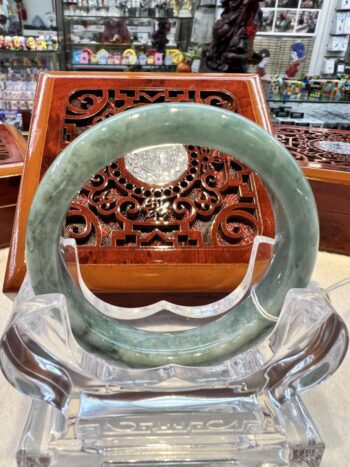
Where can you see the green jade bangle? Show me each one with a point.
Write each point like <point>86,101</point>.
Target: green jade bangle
<point>294,208</point>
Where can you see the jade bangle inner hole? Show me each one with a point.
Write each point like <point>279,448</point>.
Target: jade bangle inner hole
<point>155,178</point>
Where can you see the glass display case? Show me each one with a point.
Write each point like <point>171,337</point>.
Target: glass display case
<point>25,51</point>
<point>126,34</point>
<point>18,79</point>
<point>19,71</point>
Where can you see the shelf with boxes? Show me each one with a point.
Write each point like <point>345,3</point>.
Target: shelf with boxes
<point>336,56</point>
<point>116,8</point>
<point>121,35</point>
<point>22,58</point>
<point>17,89</point>
<point>311,114</point>
<point>89,55</point>
<point>310,89</point>
<point>313,101</point>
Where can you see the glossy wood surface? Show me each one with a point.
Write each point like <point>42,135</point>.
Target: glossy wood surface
<point>67,104</point>
<point>12,152</point>
<point>329,175</point>
<point>333,205</point>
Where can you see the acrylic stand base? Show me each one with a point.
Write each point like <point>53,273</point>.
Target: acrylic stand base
<point>189,429</point>
<point>245,411</point>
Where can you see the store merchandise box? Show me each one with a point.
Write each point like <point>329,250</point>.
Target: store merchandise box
<point>337,44</point>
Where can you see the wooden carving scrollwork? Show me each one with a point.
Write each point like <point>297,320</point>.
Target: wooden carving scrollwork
<point>212,203</point>
<point>316,147</point>
<point>88,107</point>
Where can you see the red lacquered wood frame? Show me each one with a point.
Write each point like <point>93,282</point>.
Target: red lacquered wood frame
<point>68,103</point>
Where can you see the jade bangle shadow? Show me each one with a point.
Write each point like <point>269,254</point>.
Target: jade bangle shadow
<point>292,200</point>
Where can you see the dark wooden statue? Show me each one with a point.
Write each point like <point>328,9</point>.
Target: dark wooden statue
<point>231,50</point>
<point>159,37</point>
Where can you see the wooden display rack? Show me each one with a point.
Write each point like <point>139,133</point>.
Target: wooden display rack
<point>327,167</point>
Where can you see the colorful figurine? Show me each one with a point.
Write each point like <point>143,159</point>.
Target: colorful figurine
<point>117,59</point>
<point>265,54</point>
<point>142,59</point>
<point>168,60</point>
<point>129,57</point>
<point>31,43</point>
<point>89,54</point>
<point>76,57</point>
<point>298,56</point>
<point>176,55</point>
<point>9,42</point>
<point>94,59</point>
<point>84,58</point>
<point>16,42</point>
<point>41,41</point>
<point>22,43</point>
<point>102,56</point>
<point>39,44</point>
<point>158,58</point>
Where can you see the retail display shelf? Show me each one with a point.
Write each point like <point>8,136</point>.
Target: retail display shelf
<point>113,44</point>
<point>94,17</point>
<point>13,51</point>
<point>12,98</point>
<point>105,44</point>
<point>9,65</point>
<point>308,101</point>
<point>99,66</point>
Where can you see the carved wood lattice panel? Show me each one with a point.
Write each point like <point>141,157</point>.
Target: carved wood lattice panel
<point>213,203</point>
<point>318,148</point>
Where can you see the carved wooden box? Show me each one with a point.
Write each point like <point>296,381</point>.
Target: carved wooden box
<point>324,156</point>
<point>12,151</point>
<point>134,232</point>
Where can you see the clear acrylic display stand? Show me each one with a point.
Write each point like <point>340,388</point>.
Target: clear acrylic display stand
<point>244,411</point>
